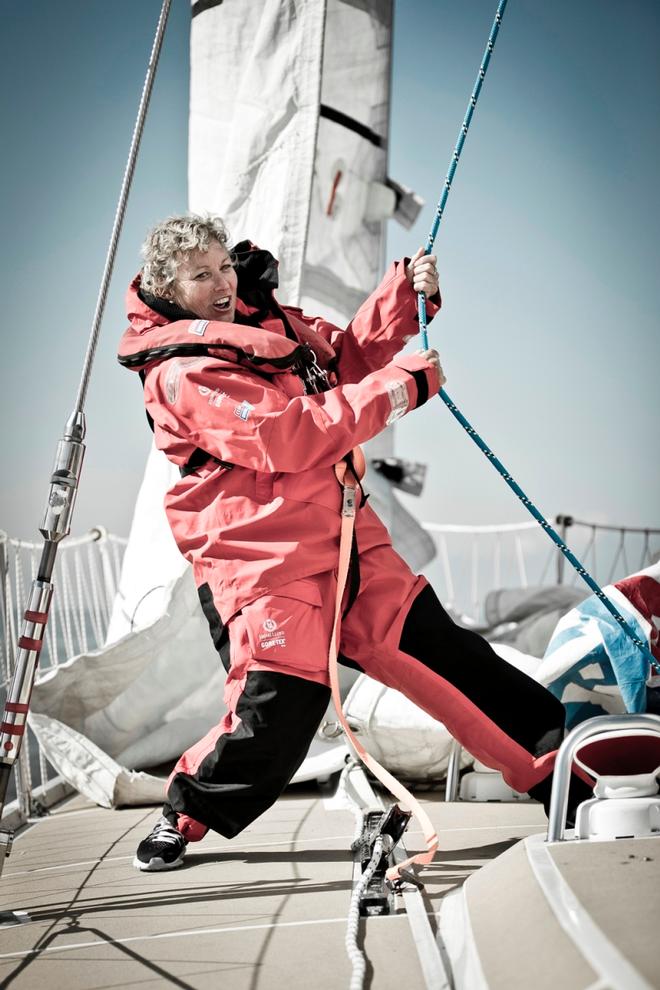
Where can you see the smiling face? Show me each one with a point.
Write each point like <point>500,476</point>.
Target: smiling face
<point>206,284</point>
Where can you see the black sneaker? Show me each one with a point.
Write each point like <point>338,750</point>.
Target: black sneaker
<point>163,849</point>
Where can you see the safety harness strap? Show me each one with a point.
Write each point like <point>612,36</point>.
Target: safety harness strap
<point>350,484</point>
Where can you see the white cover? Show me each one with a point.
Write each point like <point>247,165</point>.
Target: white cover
<point>90,770</point>
<point>136,703</point>
<point>344,258</point>
<point>152,561</point>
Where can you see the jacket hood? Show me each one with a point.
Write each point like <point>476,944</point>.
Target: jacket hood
<point>159,329</point>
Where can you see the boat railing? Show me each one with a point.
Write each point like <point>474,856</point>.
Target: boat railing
<point>471,561</point>
<point>86,579</point>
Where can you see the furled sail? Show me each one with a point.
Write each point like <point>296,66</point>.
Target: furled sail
<point>289,130</point>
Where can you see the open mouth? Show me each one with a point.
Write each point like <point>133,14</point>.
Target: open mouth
<point>222,305</point>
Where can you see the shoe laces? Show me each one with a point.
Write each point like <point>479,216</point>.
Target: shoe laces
<point>164,831</point>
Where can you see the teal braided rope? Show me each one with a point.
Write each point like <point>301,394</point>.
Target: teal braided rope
<point>554,536</point>
<point>421,299</point>
<point>529,505</point>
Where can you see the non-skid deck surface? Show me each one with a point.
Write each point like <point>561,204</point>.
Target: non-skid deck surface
<point>521,940</point>
<point>266,910</point>
<point>619,885</point>
<point>520,943</point>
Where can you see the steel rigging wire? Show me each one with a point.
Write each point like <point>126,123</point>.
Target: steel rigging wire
<point>64,483</point>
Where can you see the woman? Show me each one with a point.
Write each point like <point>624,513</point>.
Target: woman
<point>256,403</point>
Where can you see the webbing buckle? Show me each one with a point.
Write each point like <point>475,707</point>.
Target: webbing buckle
<point>348,504</point>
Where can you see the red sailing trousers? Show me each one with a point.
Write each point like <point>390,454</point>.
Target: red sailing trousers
<point>397,632</point>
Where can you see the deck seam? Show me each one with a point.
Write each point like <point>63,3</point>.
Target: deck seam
<point>207,849</point>
<point>230,930</point>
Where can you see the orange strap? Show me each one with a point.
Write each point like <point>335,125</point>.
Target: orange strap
<point>349,484</point>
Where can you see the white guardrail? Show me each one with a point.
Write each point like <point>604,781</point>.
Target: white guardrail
<point>86,579</point>
<point>470,562</point>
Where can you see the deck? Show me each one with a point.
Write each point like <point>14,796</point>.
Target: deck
<point>265,910</point>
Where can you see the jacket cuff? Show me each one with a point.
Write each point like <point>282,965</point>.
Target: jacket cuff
<point>424,374</point>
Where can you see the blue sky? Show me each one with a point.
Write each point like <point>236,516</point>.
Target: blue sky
<point>548,249</point>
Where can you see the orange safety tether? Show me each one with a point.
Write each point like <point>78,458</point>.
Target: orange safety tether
<point>349,478</point>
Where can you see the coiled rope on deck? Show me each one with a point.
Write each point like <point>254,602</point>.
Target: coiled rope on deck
<point>355,955</point>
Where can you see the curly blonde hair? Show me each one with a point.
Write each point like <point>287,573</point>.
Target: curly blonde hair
<point>170,241</point>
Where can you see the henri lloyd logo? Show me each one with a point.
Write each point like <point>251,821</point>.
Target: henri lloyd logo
<point>216,397</point>
<point>271,635</point>
<point>244,410</point>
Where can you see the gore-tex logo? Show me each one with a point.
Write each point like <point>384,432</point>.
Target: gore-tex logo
<point>271,635</point>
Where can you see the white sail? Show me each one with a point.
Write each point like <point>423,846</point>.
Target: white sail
<point>255,86</point>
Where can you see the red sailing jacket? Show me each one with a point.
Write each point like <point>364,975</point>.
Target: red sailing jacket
<point>269,514</point>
